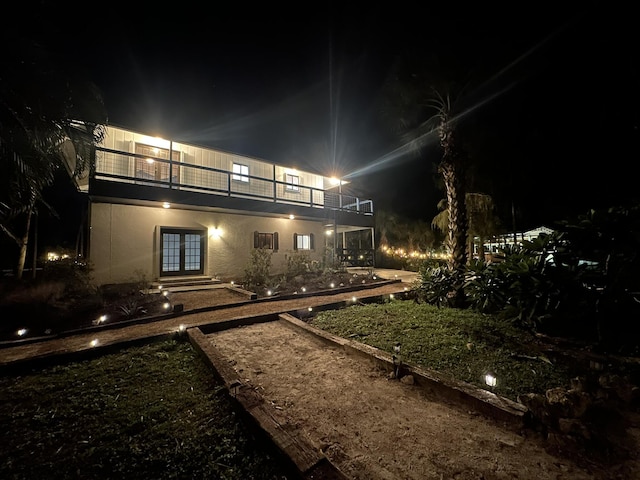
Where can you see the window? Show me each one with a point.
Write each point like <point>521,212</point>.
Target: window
<point>303,241</point>
<point>292,181</point>
<point>240,172</point>
<point>265,240</point>
<point>182,252</point>
<point>152,163</point>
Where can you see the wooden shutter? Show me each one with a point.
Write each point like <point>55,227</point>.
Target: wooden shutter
<point>311,242</point>
<point>295,241</point>
<point>275,241</point>
<point>255,239</point>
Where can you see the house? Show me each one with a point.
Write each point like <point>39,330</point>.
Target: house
<point>165,209</point>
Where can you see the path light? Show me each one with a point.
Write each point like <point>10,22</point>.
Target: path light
<point>166,305</point>
<point>397,360</point>
<point>304,289</point>
<point>332,285</point>
<point>102,319</point>
<point>93,343</point>
<point>391,296</point>
<point>354,299</point>
<point>21,332</point>
<point>165,293</point>
<point>232,282</point>
<point>182,328</point>
<point>310,309</point>
<point>269,292</point>
<point>490,380</point>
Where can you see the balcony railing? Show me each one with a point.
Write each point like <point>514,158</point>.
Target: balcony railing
<point>138,169</point>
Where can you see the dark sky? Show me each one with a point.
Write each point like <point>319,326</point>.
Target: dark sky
<point>552,98</point>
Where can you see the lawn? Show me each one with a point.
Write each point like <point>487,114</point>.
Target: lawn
<point>154,411</point>
<point>462,344</point>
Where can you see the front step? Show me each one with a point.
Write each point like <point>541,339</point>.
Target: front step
<point>185,283</point>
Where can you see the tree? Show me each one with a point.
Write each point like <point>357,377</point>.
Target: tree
<point>483,222</point>
<point>51,117</point>
<point>452,168</point>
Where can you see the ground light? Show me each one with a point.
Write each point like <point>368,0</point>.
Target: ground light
<point>21,332</point>
<point>490,380</point>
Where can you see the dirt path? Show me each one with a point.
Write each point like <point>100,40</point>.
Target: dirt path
<point>373,428</point>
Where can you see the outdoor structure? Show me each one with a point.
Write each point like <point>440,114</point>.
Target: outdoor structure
<point>493,245</point>
<point>165,209</point>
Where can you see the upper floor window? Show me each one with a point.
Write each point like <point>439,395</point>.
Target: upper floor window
<point>240,172</point>
<point>292,181</point>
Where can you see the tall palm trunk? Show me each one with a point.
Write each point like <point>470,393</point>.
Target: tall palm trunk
<point>23,241</point>
<point>452,171</point>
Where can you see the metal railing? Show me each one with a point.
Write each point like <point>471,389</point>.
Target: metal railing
<point>135,169</point>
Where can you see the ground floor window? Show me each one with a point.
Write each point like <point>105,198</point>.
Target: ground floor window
<point>181,251</point>
<point>265,240</point>
<point>303,241</point>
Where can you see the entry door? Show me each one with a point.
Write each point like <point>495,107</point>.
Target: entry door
<point>182,252</point>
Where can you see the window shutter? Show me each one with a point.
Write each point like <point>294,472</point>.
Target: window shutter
<point>311,242</point>
<point>275,241</point>
<point>255,239</point>
<point>295,241</point>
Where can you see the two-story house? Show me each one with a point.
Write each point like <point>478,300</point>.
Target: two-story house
<point>166,209</point>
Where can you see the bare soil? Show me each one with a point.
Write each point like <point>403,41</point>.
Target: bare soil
<point>372,427</point>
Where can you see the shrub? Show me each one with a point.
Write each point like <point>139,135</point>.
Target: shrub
<point>257,270</point>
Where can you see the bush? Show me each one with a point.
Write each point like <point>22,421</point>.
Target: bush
<point>257,271</point>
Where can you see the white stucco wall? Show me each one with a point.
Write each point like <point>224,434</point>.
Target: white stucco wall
<point>125,240</point>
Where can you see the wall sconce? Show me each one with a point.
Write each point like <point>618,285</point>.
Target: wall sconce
<point>166,205</point>
<point>215,232</point>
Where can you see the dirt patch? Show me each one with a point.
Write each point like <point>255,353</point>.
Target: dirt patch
<point>372,427</point>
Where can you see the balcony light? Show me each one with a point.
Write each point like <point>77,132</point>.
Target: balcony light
<point>166,205</point>
<point>291,217</point>
<point>149,160</point>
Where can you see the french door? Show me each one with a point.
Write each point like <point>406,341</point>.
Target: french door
<point>181,252</point>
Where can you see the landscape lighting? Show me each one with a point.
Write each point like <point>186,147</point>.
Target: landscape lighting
<point>490,380</point>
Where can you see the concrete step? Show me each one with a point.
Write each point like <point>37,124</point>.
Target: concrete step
<point>185,283</point>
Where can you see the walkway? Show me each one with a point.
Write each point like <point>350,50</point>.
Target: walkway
<point>192,316</point>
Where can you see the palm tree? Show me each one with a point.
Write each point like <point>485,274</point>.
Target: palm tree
<point>50,118</point>
<point>482,220</point>
<point>451,167</point>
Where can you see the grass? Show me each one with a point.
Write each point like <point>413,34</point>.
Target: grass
<point>461,344</point>
<point>154,411</point>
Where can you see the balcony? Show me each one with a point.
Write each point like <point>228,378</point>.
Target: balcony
<point>177,175</point>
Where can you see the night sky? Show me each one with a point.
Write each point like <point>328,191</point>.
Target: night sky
<point>551,100</point>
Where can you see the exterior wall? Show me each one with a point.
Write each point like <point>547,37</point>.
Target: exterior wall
<point>125,241</point>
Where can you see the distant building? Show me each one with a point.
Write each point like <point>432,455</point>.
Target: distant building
<point>493,245</point>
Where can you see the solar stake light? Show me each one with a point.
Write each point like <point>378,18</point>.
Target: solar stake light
<point>397,360</point>
<point>490,380</point>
